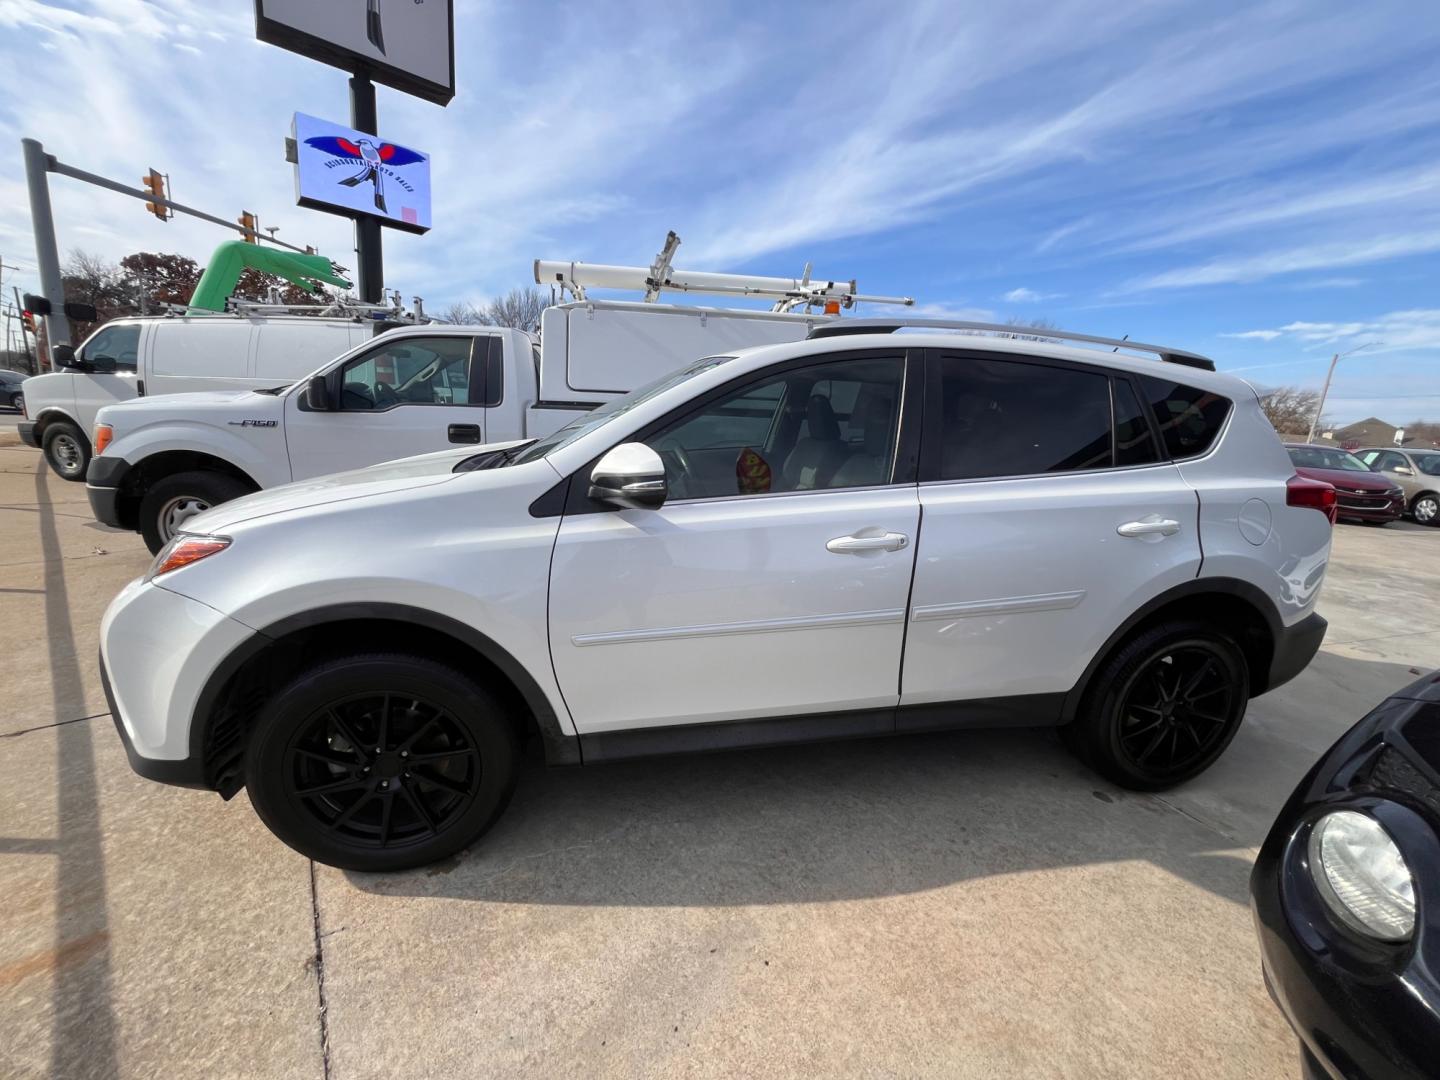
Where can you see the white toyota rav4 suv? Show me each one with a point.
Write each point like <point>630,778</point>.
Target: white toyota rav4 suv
<point>863,533</point>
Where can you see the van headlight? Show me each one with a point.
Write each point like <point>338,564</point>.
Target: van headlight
<point>1362,875</point>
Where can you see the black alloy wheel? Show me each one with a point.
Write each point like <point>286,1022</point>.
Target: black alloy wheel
<point>382,770</point>
<point>381,762</point>
<point>1163,706</point>
<point>1175,709</point>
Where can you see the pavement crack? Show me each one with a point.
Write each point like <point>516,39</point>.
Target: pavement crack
<point>320,977</point>
<point>47,727</point>
<point>1210,825</point>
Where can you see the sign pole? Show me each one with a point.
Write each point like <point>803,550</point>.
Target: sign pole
<point>47,255</point>
<point>370,270</point>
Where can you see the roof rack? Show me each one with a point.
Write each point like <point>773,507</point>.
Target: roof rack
<point>889,326</point>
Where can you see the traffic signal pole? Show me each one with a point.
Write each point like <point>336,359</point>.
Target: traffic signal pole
<point>47,253</point>
<point>369,263</point>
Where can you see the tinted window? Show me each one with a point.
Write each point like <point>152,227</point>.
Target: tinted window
<point>409,371</point>
<point>118,343</point>
<point>1323,457</point>
<point>1007,418</point>
<point>1134,444</point>
<point>494,372</point>
<point>1429,464</point>
<point>830,425</point>
<point>1189,419</point>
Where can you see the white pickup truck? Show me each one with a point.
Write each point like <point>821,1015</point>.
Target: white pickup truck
<point>160,460</point>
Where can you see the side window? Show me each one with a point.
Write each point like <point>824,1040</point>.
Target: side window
<point>1011,418</point>
<point>1393,460</point>
<point>409,371</point>
<point>830,425</point>
<point>1188,418</point>
<point>1134,445</point>
<point>494,389</point>
<point>118,344</point>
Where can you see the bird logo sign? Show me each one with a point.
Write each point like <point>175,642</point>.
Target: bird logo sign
<point>349,172</point>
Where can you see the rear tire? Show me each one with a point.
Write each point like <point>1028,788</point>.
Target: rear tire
<point>1426,508</point>
<point>17,402</point>
<point>67,450</point>
<point>381,762</point>
<point>174,500</point>
<point>1162,707</point>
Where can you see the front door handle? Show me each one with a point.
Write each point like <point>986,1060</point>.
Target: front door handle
<point>1151,525</point>
<point>465,433</point>
<point>856,545</point>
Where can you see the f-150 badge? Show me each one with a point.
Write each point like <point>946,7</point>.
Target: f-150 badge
<point>253,423</point>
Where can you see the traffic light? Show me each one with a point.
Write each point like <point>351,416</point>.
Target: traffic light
<point>248,222</point>
<point>29,321</point>
<point>155,184</point>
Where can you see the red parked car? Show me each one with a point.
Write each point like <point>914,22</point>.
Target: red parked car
<point>1361,495</point>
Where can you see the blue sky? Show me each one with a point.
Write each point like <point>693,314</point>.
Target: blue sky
<point>1258,182</point>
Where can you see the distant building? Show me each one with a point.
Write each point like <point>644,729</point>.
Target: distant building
<point>1372,431</point>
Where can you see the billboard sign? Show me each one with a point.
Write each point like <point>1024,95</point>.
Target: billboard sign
<point>407,44</point>
<point>349,172</point>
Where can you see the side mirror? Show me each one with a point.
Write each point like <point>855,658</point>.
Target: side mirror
<point>1404,470</point>
<point>105,365</point>
<point>317,394</point>
<point>63,355</point>
<point>631,476</point>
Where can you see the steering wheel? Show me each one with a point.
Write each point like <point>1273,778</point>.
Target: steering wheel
<point>385,396</point>
<point>680,483</point>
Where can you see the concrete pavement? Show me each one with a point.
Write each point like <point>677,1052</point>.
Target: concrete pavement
<point>969,904</point>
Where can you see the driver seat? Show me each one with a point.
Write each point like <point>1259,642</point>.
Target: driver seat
<point>816,457</point>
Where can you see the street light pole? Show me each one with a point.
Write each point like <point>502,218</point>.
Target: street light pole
<point>1325,390</point>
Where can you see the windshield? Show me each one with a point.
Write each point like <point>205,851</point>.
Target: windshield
<point>1322,457</point>
<point>588,422</point>
<point>1429,464</point>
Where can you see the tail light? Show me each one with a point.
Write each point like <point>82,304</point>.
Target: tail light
<point>1313,494</point>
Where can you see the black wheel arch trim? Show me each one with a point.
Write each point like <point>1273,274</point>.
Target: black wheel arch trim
<point>561,748</point>
<point>1282,658</point>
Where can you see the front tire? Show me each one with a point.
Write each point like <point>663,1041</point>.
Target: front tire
<point>381,762</point>
<point>1163,707</point>
<point>175,499</point>
<point>67,451</point>
<point>17,402</point>
<point>1426,508</point>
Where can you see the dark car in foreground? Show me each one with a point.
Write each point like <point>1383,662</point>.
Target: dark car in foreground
<point>1346,897</point>
<point>1360,494</point>
<point>11,396</point>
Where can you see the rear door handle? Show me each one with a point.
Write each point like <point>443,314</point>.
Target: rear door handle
<point>857,545</point>
<point>1151,525</point>
<point>464,433</point>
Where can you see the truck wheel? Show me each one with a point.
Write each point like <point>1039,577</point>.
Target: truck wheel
<point>67,450</point>
<point>174,500</point>
<point>1163,707</point>
<point>381,762</point>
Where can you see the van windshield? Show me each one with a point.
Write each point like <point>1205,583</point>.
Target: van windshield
<point>588,422</point>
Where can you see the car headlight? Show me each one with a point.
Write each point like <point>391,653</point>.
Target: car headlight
<point>1395,491</point>
<point>1362,875</point>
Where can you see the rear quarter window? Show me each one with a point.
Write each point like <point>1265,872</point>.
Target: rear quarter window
<point>1189,418</point>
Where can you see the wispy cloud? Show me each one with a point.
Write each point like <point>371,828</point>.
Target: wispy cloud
<point>1022,295</point>
<point>1257,335</point>
<point>1356,252</point>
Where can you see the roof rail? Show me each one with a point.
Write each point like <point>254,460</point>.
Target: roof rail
<point>889,326</point>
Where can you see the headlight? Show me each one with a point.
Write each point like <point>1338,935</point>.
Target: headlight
<point>1395,491</point>
<point>1362,875</point>
<point>184,550</point>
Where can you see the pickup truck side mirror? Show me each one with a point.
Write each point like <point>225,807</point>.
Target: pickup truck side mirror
<point>105,365</point>
<point>317,394</point>
<point>63,356</point>
<point>631,476</point>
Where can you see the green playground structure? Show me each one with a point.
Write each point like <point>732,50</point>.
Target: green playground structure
<point>234,257</point>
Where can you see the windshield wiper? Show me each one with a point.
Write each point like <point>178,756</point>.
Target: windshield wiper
<point>273,390</point>
<point>492,459</point>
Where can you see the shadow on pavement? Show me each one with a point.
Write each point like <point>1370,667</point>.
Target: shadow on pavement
<point>843,821</point>
<point>83,1036</point>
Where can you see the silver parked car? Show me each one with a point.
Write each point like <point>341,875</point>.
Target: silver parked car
<point>1416,471</point>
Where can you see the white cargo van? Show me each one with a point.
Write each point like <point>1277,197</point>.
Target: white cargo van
<point>137,357</point>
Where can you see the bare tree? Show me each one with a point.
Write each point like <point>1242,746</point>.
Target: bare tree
<point>1290,409</point>
<point>520,308</point>
<point>1031,324</point>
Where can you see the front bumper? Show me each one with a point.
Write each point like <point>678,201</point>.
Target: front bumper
<point>158,650</point>
<point>103,480</point>
<point>1356,508</point>
<point>1361,1008</point>
<point>27,433</point>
